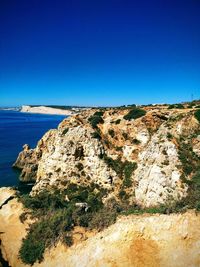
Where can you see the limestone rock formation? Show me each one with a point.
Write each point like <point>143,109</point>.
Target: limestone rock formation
<point>151,160</point>
<point>77,152</point>
<point>28,159</point>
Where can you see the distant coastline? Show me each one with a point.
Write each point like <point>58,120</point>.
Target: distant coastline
<point>10,108</point>
<point>47,110</point>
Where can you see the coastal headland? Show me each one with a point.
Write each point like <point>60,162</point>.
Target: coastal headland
<point>116,187</point>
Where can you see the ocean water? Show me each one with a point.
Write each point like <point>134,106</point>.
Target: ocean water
<point>17,129</point>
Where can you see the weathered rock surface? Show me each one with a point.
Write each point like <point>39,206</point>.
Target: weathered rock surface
<point>157,174</point>
<point>78,152</point>
<point>6,193</point>
<point>11,229</point>
<point>28,159</point>
<point>73,156</point>
<point>133,241</point>
<point>137,241</point>
<point>73,153</point>
<point>27,162</point>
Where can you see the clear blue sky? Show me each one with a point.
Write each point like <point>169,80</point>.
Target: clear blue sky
<point>99,52</point>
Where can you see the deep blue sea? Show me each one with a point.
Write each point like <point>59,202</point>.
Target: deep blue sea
<point>17,129</point>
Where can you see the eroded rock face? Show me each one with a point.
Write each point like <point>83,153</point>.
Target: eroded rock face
<point>27,162</point>
<point>28,159</point>
<point>73,156</point>
<point>6,193</point>
<point>11,229</point>
<point>145,240</point>
<point>158,176</point>
<point>75,152</point>
<point>78,153</point>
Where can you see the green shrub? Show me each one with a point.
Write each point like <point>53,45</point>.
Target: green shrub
<point>188,158</point>
<point>125,135</point>
<point>65,131</point>
<point>179,106</point>
<point>116,165</point>
<point>136,141</point>
<point>79,166</point>
<point>191,174</point>
<point>55,217</point>
<point>44,233</point>
<point>134,114</point>
<point>111,132</point>
<point>94,201</point>
<point>169,136</point>
<point>79,153</point>
<point>123,195</point>
<point>32,249</point>
<point>191,105</point>
<point>129,167</point>
<point>123,169</point>
<point>171,106</point>
<point>23,217</point>
<point>98,113</point>
<point>102,219</point>
<point>83,219</point>
<point>119,148</point>
<point>96,118</point>
<point>96,135</point>
<point>192,200</point>
<point>152,210</point>
<point>132,105</point>
<point>117,121</point>
<point>197,115</point>
<point>196,179</point>
<point>67,239</point>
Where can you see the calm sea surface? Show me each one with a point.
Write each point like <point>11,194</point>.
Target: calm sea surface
<point>17,129</point>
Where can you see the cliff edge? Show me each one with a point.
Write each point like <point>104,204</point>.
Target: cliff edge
<point>112,187</point>
<point>136,240</point>
<point>142,156</point>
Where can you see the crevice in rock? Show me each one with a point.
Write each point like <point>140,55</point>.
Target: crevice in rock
<point>6,201</point>
<point>3,262</point>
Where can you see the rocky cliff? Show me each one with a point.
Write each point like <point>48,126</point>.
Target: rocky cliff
<point>81,152</point>
<point>98,167</point>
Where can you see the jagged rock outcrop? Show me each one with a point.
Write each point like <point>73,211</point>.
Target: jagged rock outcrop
<point>142,163</point>
<point>157,175</point>
<point>27,160</point>
<point>133,241</point>
<point>76,152</point>
<point>73,156</point>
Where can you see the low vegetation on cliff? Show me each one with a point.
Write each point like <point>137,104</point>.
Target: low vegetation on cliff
<point>57,213</point>
<point>134,113</point>
<point>104,163</point>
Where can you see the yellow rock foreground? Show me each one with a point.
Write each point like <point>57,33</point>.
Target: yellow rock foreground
<point>145,240</point>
